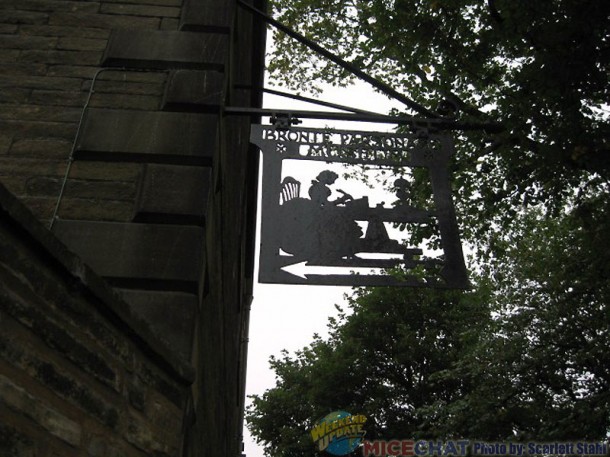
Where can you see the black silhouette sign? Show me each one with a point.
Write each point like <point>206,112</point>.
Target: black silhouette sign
<point>313,232</point>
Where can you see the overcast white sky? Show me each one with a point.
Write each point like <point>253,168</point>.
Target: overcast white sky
<point>286,316</point>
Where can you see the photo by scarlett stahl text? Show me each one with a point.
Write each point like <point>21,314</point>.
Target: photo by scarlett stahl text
<point>466,447</point>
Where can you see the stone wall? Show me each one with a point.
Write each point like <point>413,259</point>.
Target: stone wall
<point>113,134</point>
<point>79,375</point>
<point>50,50</point>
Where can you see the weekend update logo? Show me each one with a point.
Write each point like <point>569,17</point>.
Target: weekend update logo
<point>341,433</point>
<point>338,433</point>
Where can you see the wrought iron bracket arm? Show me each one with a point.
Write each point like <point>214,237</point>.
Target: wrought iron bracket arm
<point>416,123</point>
<point>389,91</point>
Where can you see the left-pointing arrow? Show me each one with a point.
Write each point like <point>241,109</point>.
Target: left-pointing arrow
<point>302,270</point>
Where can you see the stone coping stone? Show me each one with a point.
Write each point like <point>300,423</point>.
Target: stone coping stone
<point>166,49</point>
<point>173,194</point>
<point>147,136</point>
<point>170,254</point>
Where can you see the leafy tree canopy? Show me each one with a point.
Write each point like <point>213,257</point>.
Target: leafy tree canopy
<point>522,357</point>
<point>540,68</point>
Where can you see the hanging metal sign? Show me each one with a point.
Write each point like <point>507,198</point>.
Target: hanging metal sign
<point>312,232</point>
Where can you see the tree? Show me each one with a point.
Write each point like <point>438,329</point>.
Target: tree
<point>521,357</point>
<point>382,361</point>
<point>538,68</point>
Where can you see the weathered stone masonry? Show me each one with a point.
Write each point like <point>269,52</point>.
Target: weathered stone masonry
<point>74,377</point>
<point>114,108</point>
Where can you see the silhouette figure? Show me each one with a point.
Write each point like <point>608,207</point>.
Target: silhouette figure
<point>317,229</point>
<point>319,192</point>
<point>403,192</point>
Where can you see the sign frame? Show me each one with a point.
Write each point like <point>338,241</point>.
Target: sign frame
<point>431,150</point>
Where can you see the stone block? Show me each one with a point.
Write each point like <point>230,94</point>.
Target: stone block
<point>10,16</point>
<point>173,194</point>
<point>124,87</point>
<point>75,188</point>
<point>169,23</point>
<point>39,113</point>
<point>149,2</point>
<point>27,42</point>
<point>107,171</point>
<point>140,435</point>
<point>61,57</point>
<point>73,71</point>
<point>5,143</point>
<point>158,381</point>
<point>166,49</point>
<point>96,209</point>
<point>103,21</point>
<point>8,28</point>
<point>51,148</point>
<point>140,10</point>
<point>81,44</point>
<point>31,167</point>
<point>14,184</point>
<point>41,207</point>
<point>22,69</point>
<point>121,135</point>
<point>117,74</point>
<point>206,16</point>
<point>102,446</point>
<point>60,31</point>
<point>62,382</point>
<point>58,98</point>
<point>39,82</point>
<point>125,101</point>
<point>14,95</point>
<point>14,443</point>
<point>189,90</point>
<point>50,6</point>
<point>57,424</point>
<point>170,316</point>
<point>39,129</point>
<point>152,252</point>
<point>9,55</point>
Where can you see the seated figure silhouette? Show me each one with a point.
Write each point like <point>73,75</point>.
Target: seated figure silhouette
<point>316,229</point>
<point>319,192</point>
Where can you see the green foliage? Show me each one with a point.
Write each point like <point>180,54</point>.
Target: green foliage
<point>381,361</point>
<point>524,354</point>
<point>538,67</point>
<point>552,296</point>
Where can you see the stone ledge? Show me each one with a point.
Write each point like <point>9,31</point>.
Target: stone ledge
<point>147,136</point>
<point>162,49</point>
<point>173,194</point>
<point>206,16</point>
<point>170,315</point>
<point>168,254</point>
<point>194,91</point>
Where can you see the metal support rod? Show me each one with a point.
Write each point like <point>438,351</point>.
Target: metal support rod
<point>73,148</point>
<point>439,124</point>
<point>313,101</point>
<point>78,130</point>
<point>342,63</point>
<point>319,102</point>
